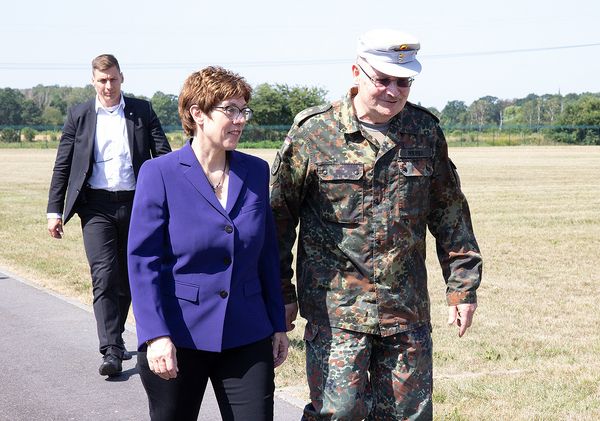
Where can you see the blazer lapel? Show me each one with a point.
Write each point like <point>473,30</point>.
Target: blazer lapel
<point>237,175</point>
<point>192,171</point>
<point>90,131</point>
<point>129,123</point>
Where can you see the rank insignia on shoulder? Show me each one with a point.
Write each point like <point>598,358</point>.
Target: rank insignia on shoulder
<point>276,163</point>
<point>287,142</point>
<point>304,115</point>
<point>426,110</point>
<point>278,157</point>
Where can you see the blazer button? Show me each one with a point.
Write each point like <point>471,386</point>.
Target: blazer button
<point>227,260</point>
<point>223,294</point>
<point>228,229</point>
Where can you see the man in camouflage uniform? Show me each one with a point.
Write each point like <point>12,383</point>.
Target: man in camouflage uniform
<point>364,177</point>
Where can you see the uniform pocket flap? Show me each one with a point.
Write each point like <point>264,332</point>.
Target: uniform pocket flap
<point>333,172</point>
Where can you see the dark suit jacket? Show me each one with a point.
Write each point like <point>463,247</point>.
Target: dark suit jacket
<point>73,165</point>
<point>207,277</point>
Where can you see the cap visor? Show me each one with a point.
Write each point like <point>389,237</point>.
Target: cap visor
<point>410,69</point>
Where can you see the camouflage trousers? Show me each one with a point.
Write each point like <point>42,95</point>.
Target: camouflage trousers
<point>358,376</point>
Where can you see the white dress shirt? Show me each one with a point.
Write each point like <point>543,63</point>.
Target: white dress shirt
<point>112,168</point>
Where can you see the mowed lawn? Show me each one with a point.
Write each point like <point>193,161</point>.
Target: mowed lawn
<point>533,351</point>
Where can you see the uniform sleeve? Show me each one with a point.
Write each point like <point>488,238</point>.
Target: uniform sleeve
<point>289,175</point>
<point>449,221</point>
<point>145,253</point>
<point>269,269</point>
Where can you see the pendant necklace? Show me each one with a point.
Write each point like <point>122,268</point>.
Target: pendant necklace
<point>220,183</point>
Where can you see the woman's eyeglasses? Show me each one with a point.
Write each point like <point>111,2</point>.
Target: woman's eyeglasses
<point>232,112</point>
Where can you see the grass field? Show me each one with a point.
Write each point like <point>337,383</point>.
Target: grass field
<point>533,351</point>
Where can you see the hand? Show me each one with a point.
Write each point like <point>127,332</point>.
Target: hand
<point>461,316</point>
<point>291,312</point>
<point>162,358</point>
<point>55,227</point>
<point>280,348</point>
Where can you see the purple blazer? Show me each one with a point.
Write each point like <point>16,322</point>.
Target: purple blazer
<point>207,277</point>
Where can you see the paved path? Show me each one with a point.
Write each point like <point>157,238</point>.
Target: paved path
<point>49,363</point>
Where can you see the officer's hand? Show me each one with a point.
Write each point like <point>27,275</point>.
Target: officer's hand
<point>461,316</point>
<point>55,227</point>
<point>291,312</point>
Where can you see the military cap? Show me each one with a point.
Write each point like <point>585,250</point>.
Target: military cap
<point>391,52</point>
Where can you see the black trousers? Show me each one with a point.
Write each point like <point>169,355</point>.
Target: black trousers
<point>105,220</point>
<point>242,378</point>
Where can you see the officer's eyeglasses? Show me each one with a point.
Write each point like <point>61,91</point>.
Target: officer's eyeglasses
<point>232,112</point>
<point>402,82</point>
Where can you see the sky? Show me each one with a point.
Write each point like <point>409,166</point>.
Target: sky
<point>469,48</point>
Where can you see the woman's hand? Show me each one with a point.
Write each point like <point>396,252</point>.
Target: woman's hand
<point>280,348</point>
<point>162,358</point>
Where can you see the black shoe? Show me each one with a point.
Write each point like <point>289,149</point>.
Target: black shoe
<point>111,365</point>
<point>126,354</point>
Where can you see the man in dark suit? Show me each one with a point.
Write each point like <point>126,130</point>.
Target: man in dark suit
<point>103,145</point>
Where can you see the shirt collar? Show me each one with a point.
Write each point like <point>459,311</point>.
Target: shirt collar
<point>347,116</point>
<point>98,105</point>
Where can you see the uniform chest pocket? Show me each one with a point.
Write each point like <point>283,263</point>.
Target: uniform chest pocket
<point>413,186</point>
<point>341,192</point>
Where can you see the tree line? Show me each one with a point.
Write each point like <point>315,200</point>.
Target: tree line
<point>571,118</point>
<point>47,105</point>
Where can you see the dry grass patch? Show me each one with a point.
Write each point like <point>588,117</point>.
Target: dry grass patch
<point>532,353</point>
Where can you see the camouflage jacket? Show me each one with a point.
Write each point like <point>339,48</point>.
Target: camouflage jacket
<point>363,209</point>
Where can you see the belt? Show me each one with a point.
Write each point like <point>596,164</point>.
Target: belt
<point>110,196</point>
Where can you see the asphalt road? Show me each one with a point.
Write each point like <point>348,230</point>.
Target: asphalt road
<point>49,364</point>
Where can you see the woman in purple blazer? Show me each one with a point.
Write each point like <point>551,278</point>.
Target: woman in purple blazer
<point>203,263</point>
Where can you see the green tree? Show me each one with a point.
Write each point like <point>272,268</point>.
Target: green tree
<point>76,96</point>
<point>165,106</point>
<point>553,107</point>
<point>11,105</point>
<point>52,116</point>
<point>270,105</point>
<point>300,98</point>
<point>584,113</point>
<point>42,95</point>
<point>512,115</point>
<point>57,101</point>
<point>455,113</point>
<point>529,110</point>
<point>278,104</point>
<point>30,113</point>
<point>484,111</point>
